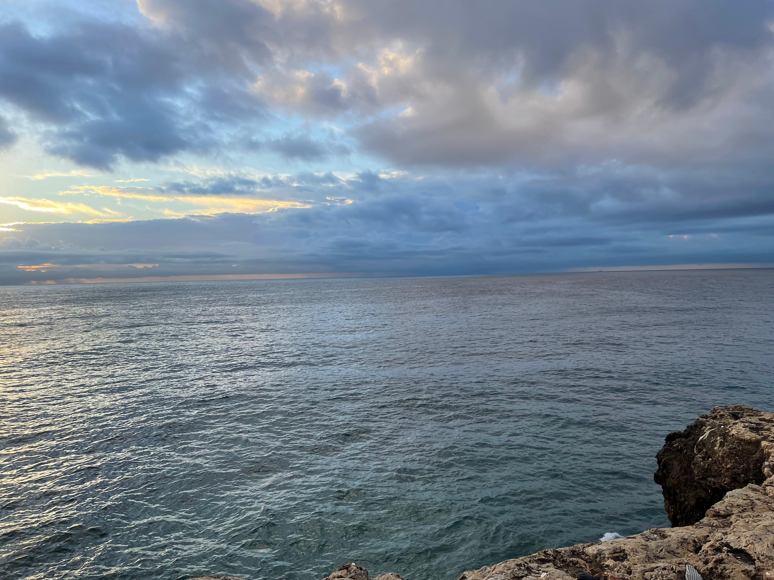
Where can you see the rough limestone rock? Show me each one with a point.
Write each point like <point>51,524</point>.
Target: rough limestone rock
<point>216,578</point>
<point>354,572</point>
<point>349,572</point>
<point>720,452</point>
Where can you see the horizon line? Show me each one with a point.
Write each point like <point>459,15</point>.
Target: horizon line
<point>334,275</point>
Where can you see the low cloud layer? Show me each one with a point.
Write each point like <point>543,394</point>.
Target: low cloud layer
<point>401,226</point>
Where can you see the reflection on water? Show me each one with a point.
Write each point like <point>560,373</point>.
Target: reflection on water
<point>276,429</point>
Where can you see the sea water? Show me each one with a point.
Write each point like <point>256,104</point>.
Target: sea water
<point>278,429</point>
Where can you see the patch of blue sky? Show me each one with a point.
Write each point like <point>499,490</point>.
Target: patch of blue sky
<point>47,17</point>
<point>333,70</point>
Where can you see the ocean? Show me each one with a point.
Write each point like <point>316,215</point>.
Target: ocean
<point>278,429</point>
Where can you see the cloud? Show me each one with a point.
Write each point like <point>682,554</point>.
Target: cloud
<point>481,225</point>
<point>519,82</point>
<point>142,133</point>
<point>41,175</point>
<point>441,84</point>
<point>301,147</point>
<point>303,91</point>
<point>203,204</point>
<point>7,137</point>
<point>110,92</point>
<point>604,107</point>
<point>315,186</point>
<point>48,206</point>
<point>226,184</point>
<point>101,87</point>
<point>298,148</point>
<point>233,34</point>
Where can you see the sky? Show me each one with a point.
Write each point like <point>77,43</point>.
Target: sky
<point>184,139</point>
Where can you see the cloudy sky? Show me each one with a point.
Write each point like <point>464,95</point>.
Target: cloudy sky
<point>166,138</point>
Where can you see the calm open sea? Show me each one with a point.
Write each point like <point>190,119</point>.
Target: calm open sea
<point>277,429</point>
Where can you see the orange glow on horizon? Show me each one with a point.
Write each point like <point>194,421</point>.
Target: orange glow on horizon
<point>37,267</point>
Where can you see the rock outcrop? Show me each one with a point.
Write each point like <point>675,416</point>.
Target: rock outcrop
<point>718,482</point>
<point>725,450</point>
<point>355,572</point>
<point>346,572</point>
<point>216,578</point>
<point>718,489</point>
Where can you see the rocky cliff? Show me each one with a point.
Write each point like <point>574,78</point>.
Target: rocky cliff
<point>723,451</point>
<point>718,482</point>
<point>719,493</point>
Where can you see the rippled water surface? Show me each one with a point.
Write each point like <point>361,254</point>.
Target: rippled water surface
<point>277,429</point>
